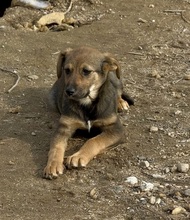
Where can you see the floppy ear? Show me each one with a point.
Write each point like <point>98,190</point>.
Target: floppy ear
<point>61,60</point>
<point>111,64</point>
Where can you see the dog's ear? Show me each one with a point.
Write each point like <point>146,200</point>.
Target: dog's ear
<point>111,64</point>
<point>61,60</point>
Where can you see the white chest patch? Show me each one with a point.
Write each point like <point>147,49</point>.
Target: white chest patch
<point>93,92</point>
<point>89,125</point>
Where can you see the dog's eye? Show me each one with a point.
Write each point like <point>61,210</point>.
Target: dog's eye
<point>86,72</point>
<point>67,71</point>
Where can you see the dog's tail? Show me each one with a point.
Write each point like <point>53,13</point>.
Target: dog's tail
<point>127,98</point>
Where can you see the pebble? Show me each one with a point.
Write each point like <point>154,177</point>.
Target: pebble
<point>33,77</point>
<point>143,200</point>
<point>144,164</point>
<point>178,112</point>
<point>151,6</point>
<point>11,162</point>
<point>187,192</point>
<point>166,170</point>
<point>152,200</point>
<point>153,129</point>
<point>15,110</point>
<point>33,134</point>
<point>187,77</point>
<point>141,20</point>
<point>155,74</point>
<point>178,210</point>
<point>145,186</point>
<point>182,167</point>
<point>132,180</point>
<point>162,195</point>
<point>173,169</point>
<point>158,201</point>
<point>94,193</point>
<point>155,175</point>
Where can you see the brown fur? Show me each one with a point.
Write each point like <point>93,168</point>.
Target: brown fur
<point>87,93</point>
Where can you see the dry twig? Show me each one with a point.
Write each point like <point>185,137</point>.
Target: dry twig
<point>135,53</point>
<point>14,73</point>
<point>181,12</point>
<point>184,18</point>
<point>173,11</point>
<point>69,8</point>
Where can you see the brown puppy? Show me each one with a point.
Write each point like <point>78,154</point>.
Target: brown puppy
<point>87,93</point>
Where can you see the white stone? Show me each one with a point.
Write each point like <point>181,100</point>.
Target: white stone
<point>153,129</point>
<point>144,164</point>
<point>145,186</point>
<point>187,192</point>
<point>131,180</point>
<point>178,210</point>
<point>182,167</point>
<point>158,201</point>
<point>33,77</point>
<point>152,200</point>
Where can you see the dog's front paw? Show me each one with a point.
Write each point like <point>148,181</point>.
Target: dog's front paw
<point>77,160</point>
<point>53,169</point>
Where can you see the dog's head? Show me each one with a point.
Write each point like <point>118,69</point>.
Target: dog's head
<point>83,71</point>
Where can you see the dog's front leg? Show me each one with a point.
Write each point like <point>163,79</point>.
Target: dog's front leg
<point>111,135</point>
<point>66,128</point>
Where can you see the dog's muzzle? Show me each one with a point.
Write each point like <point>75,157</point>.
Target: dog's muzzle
<point>70,91</point>
<point>74,93</point>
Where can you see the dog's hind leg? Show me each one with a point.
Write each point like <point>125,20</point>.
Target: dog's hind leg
<point>124,101</point>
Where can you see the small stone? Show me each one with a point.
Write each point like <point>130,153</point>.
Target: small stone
<point>162,195</point>
<point>157,175</point>
<point>166,170</point>
<point>145,186</point>
<point>152,200</point>
<point>143,200</point>
<point>2,27</point>
<point>151,6</point>
<point>144,164</point>
<point>173,168</point>
<point>155,74</point>
<point>11,162</point>
<point>132,180</point>
<point>153,129</point>
<point>187,192</point>
<point>15,110</point>
<point>171,134</point>
<point>178,210</point>
<point>141,20</point>
<point>182,167</point>
<point>158,201</point>
<point>94,193</point>
<point>178,112</point>
<point>187,77</point>
<point>33,77</point>
<point>33,133</point>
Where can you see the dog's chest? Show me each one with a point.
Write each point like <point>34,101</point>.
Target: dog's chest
<point>89,125</point>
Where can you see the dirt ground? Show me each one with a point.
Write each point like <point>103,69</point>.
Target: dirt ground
<point>151,39</point>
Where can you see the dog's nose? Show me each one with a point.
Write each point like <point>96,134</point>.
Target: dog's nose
<point>70,91</point>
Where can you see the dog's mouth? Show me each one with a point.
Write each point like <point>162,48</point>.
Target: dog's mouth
<point>76,95</point>
<point>85,97</point>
